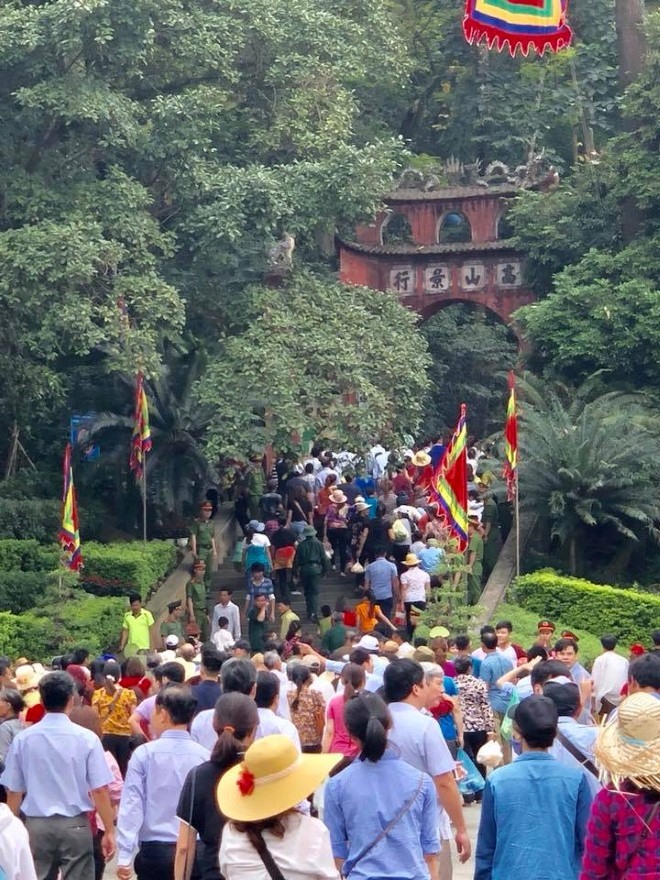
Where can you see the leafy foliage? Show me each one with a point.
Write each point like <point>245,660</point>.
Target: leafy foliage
<point>317,359</point>
<point>576,472</point>
<point>117,569</point>
<point>627,614</point>
<point>27,555</point>
<point>471,352</point>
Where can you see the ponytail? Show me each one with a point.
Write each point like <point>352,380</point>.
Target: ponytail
<point>367,719</point>
<point>299,675</point>
<point>228,749</point>
<point>353,678</point>
<point>235,718</point>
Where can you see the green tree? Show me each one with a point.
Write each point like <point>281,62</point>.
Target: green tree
<point>471,352</point>
<point>177,469</point>
<point>585,462</point>
<point>346,363</point>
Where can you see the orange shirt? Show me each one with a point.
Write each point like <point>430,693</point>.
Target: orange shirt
<point>365,621</point>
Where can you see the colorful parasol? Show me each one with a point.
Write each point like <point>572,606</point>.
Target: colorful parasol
<point>522,24</point>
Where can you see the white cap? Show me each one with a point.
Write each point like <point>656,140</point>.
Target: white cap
<point>369,643</point>
<point>172,641</point>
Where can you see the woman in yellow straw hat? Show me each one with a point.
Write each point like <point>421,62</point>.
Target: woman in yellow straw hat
<point>415,588</point>
<point>267,838</point>
<point>623,834</point>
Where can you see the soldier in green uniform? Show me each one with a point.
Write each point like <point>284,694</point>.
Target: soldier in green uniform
<point>172,626</point>
<point>490,520</point>
<point>310,564</point>
<point>202,540</point>
<point>254,484</point>
<point>475,558</point>
<point>196,601</point>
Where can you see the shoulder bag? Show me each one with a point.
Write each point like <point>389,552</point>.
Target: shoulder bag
<point>266,858</point>
<point>402,812</point>
<point>579,756</point>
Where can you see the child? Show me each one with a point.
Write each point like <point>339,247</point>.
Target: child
<point>259,585</point>
<point>326,620</point>
<point>222,638</point>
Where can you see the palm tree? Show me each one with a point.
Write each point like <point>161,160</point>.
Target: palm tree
<point>177,470</point>
<point>585,463</point>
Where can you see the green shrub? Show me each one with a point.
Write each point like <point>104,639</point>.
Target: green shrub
<point>40,634</point>
<point>22,590</point>
<point>29,518</point>
<point>627,614</point>
<point>117,569</point>
<point>27,555</point>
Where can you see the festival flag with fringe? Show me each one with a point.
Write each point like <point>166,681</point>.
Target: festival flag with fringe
<point>511,441</point>
<point>141,439</point>
<point>520,24</point>
<point>450,484</point>
<point>69,535</point>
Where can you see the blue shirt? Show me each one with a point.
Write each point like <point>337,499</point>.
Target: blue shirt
<point>430,558</point>
<point>154,779</point>
<point>583,738</point>
<point>533,821</point>
<point>56,763</point>
<point>418,740</point>
<point>378,576</point>
<point>446,722</point>
<point>372,501</point>
<point>390,783</point>
<point>493,667</point>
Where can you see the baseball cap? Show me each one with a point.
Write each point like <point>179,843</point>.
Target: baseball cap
<point>424,655</point>
<point>369,643</point>
<point>256,526</point>
<point>534,715</point>
<point>172,641</point>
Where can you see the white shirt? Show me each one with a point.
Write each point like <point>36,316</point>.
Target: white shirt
<point>414,584</point>
<point>304,853</point>
<point>609,674</point>
<point>283,709</point>
<point>510,653</point>
<point>223,639</point>
<point>15,856</point>
<point>202,730</point>
<point>233,615</point>
<point>258,540</point>
<point>324,688</point>
<point>270,723</point>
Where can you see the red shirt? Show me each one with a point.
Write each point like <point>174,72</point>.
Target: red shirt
<point>618,845</point>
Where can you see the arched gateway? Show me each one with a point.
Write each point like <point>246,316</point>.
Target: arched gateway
<point>433,271</point>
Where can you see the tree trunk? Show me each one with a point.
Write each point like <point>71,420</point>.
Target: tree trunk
<point>572,555</point>
<point>631,43</point>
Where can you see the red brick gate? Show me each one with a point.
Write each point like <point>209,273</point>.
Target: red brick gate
<point>439,247</point>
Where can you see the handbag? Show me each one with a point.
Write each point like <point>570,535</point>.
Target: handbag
<point>474,781</point>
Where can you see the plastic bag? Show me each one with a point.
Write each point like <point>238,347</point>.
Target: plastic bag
<point>506,727</point>
<point>490,754</point>
<point>399,618</point>
<point>473,782</point>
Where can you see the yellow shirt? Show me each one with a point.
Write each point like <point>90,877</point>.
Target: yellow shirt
<point>138,630</point>
<point>115,710</point>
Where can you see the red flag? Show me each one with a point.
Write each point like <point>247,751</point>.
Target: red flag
<point>511,441</point>
<point>450,482</point>
<point>141,439</point>
<point>69,535</point>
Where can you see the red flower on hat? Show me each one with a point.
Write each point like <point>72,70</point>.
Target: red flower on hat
<point>245,782</point>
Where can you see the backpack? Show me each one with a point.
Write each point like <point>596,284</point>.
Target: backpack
<point>399,531</point>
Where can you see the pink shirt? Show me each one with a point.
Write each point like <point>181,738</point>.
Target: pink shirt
<point>341,741</point>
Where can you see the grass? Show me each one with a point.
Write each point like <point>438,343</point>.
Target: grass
<point>524,631</point>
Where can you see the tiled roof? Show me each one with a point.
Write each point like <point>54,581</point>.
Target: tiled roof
<point>451,194</point>
<point>411,250</point>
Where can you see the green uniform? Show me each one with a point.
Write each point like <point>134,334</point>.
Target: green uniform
<point>493,542</point>
<point>254,484</point>
<point>204,532</point>
<point>334,638</point>
<point>172,628</point>
<point>311,563</point>
<point>196,591</point>
<point>476,547</point>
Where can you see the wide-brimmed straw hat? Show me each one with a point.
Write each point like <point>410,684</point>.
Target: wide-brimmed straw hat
<point>273,778</point>
<point>411,559</point>
<point>361,506</point>
<point>629,747</point>
<point>421,459</point>
<point>338,497</point>
<point>27,677</point>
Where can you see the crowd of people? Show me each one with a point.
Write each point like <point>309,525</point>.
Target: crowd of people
<point>303,762</point>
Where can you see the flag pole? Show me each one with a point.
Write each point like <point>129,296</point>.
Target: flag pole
<point>517,528</point>
<point>144,502</point>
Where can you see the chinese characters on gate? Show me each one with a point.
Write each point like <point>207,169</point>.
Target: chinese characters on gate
<point>469,276</point>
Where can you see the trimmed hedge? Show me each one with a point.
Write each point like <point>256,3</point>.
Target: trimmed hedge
<point>118,569</point>
<point>27,555</point>
<point>40,519</point>
<point>90,622</point>
<point>22,590</point>
<point>628,614</point>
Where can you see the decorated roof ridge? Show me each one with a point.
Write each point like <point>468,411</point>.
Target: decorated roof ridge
<point>452,193</point>
<point>412,250</point>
